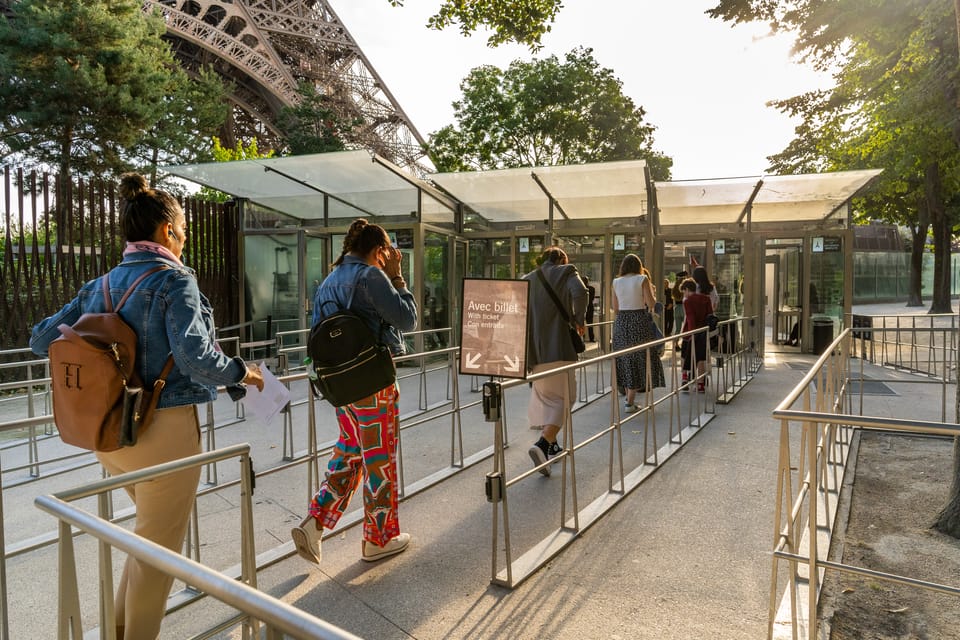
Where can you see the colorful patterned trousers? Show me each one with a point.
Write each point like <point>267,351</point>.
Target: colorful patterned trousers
<point>367,449</point>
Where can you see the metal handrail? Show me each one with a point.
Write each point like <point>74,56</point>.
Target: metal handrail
<point>620,481</point>
<point>824,446</point>
<point>256,605</point>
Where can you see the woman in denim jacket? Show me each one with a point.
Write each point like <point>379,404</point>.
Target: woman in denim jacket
<point>170,317</point>
<point>367,277</point>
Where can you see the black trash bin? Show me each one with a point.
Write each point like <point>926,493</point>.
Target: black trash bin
<point>822,333</point>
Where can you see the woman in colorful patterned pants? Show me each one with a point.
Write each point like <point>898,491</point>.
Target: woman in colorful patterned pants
<point>367,280</point>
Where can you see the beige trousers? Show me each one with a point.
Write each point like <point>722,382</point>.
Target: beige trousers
<point>163,511</point>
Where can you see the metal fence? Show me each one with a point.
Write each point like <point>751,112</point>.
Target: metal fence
<point>435,402</point>
<point>44,262</point>
<point>827,410</point>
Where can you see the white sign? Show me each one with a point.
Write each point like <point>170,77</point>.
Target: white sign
<point>493,330</point>
<point>817,245</point>
<point>619,242</point>
<point>393,237</point>
<point>719,247</point>
<point>524,245</point>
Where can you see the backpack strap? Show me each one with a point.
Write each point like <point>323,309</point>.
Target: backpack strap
<point>553,296</point>
<point>356,285</point>
<point>161,381</point>
<point>108,301</point>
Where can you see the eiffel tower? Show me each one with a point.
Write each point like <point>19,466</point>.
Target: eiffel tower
<point>264,48</point>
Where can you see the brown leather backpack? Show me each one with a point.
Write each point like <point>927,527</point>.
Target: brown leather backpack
<point>99,401</point>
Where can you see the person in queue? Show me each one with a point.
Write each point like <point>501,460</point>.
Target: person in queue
<point>633,300</point>
<point>170,317</point>
<point>549,346</point>
<point>704,284</point>
<point>696,306</point>
<point>668,306</point>
<point>368,271</point>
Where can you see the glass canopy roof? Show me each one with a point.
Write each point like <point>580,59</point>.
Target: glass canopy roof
<point>790,198</point>
<point>600,190</point>
<point>358,183</point>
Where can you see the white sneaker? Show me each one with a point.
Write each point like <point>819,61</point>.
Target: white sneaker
<point>372,552</point>
<point>629,408</point>
<point>307,538</point>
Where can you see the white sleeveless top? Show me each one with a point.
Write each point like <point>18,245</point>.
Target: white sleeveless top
<point>629,290</point>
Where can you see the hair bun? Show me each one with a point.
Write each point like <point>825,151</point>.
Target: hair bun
<point>132,185</point>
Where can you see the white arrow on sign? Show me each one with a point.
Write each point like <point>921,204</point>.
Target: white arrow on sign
<point>514,364</point>
<point>472,360</point>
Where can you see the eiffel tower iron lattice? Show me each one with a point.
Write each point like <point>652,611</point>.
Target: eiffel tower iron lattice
<point>266,47</point>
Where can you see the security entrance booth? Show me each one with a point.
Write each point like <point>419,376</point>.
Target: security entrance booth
<point>596,212</point>
<point>295,212</point>
<point>778,248</point>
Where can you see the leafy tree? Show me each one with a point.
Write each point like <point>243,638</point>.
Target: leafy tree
<point>545,112</point>
<point>81,81</point>
<point>896,103</point>
<point>311,126</point>
<point>195,109</point>
<point>520,21</point>
<point>895,106</point>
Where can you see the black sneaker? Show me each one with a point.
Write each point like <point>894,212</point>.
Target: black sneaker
<point>538,453</point>
<point>553,450</point>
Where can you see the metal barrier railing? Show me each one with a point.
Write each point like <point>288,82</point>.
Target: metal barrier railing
<point>255,606</point>
<point>809,477</point>
<point>620,482</point>
<point>459,457</point>
<point>924,344</point>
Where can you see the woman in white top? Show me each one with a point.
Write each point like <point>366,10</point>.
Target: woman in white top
<point>633,300</point>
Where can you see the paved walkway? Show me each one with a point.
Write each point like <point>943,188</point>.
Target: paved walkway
<point>685,555</point>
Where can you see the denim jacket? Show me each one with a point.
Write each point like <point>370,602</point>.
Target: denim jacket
<point>169,315</point>
<point>374,299</point>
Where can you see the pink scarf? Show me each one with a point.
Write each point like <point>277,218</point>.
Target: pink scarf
<point>152,247</point>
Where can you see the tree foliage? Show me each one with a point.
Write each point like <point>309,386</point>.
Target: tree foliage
<point>521,21</point>
<point>195,109</point>
<point>894,106</point>
<point>545,112</point>
<point>311,126</point>
<point>82,79</point>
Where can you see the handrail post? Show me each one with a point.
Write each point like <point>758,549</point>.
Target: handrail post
<point>248,558</point>
<point>68,618</point>
<point>108,615</point>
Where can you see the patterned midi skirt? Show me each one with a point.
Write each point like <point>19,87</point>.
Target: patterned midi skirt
<point>631,328</point>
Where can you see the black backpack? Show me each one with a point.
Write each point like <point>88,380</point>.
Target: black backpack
<point>348,363</point>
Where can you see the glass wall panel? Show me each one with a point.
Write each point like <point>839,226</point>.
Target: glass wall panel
<point>529,248</point>
<point>272,282</point>
<point>489,258</point>
<point>436,283</point>
<point>728,277</point>
<point>316,264</point>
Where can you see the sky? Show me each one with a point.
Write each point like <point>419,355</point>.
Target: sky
<point>702,83</point>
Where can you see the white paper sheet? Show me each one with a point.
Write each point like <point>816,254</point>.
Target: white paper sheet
<point>267,403</point>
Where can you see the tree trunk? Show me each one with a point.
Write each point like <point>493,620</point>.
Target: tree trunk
<point>63,188</point>
<point>948,521</point>
<point>919,235</point>
<point>933,190</point>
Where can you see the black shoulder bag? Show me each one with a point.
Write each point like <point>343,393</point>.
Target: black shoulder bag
<point>349,363</point>
<point>575,337</point>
